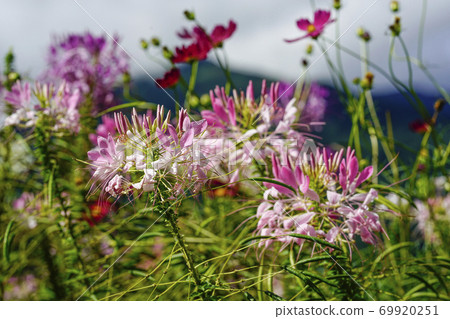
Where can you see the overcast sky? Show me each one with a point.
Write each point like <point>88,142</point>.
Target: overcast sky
<point>256,47</point>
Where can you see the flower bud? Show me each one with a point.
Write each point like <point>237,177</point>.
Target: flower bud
<point>356,81</point>
<point>194,100</point>
<point>155,42</point>
<point>309,49</point>
<point>13,76</point>
<point>439,105</point>
<point>305,62</point>
<point>144,44</point>
<point>394,6</point>
<point>363,34</point>
<point>337,4</point>
<point>367,81</point>
<point>167,53</point>
<point>204,99</point>
<point>189,15</point>
<point>396,28</point>
<point>126,78</point>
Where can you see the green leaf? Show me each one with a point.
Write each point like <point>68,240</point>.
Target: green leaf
<point>305,279</point>
<point>400,193</point>
<point>387,252</point>
<point>7,241</point>
<point>138,104</point>
<point>249,297</point>
<point>426,283</point>
<point>274,296</point>
<point>316,240</point>
<point>438,276</point>
<point>315,276</point>
<point>268,180</point>
<point>247,240</point>
<point>319,258</point>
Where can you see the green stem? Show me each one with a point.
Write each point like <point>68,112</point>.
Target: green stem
<point>54,276</point>
<point>191,86</point>
<point>171,218</point>
<point>421,30</point>
<point>226,72</point>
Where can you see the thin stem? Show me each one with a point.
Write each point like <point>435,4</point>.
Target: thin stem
<point>225,69</point>
<point>421,30</point>
<point>191,86</point>
<point>171,218</point>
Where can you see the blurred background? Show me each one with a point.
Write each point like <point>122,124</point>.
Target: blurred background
<point>256,50</point>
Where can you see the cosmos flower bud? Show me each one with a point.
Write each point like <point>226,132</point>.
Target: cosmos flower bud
<point>394,6</point>
<point>439,105</point>
<point>309,49</point>
<point>13,76</point>
<point>396,27</point>
<point>337,4</point>
<point>363,34</point>
<point>155,41</point>
<point>190,15</point>
<point>367,81</point>
<point>167,53</point>
<point>144,44</point>
<point>204,99</point>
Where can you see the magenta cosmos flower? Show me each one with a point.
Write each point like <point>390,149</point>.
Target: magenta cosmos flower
<point>315,28</point>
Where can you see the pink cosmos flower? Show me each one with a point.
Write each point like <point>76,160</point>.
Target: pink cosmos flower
<point>314,29</point>
<point>220,33</point>
<point>169,79</point>
<point>202,42</point>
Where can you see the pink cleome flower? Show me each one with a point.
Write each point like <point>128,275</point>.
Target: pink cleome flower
<point>318,196</point>
<point>314,29</point>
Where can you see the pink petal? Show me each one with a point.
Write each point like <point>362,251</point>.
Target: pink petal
<point>332,234</point>
<point>287,177</point>
<point>231,111</point>
<point>343,176</point>
<point>303,24</point>
<point>249,94</point>
<point>187,138</point>
<point>275,166</point>
<point>365,174</point>
<point>304,187</point>
<point>353,169</point>
<point>321,17</point>
<point>296,39</point>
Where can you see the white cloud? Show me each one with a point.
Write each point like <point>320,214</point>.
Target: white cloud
<point>258,45</point>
